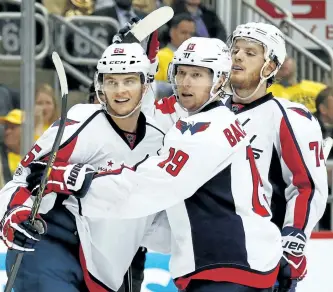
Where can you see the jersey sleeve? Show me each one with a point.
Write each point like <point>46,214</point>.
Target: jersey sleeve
<point>303,168</point>
<point>165,111</point>
<point>15,192</point>
<point>186,162</point>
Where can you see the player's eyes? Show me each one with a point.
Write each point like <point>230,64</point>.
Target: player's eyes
<point>129,82</point>
<point>234,51</point>
<point>181,73</point>
<point>196,75</point>
<point>250,53</point>
<point>110,82</point>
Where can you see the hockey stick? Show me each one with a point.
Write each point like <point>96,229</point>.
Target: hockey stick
<point>38,199</point>
<point>143,28</point>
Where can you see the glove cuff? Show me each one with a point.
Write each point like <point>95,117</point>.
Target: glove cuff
<point>78,178</point>
<point>293,241</point>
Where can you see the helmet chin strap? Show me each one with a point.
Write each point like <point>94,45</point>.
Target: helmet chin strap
<point>137,107</point>
<point>261,82</point>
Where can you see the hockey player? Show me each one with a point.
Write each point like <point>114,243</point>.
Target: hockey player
<point>286,140</point>
<point>218,242</point>
<point>96,138</point>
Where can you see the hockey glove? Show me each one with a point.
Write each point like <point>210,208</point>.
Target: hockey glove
<point>119,37</point>
<point>153,46</point>
<point>17,232</point>
<point>293,265</point>
<point>64,178</point>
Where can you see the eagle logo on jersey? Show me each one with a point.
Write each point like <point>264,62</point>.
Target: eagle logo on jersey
<point>302,112</point>
<point>192,127</point>
<point>68,122</point>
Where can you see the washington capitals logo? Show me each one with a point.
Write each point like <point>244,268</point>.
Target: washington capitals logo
<point>302,112</point>
<point>68,122</point>
<point>192,127</point>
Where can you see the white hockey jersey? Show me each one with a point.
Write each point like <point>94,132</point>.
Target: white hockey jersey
<point>92,137</point>
<point>206,161</point>
<point>165,112</point>
<point>287,144</point>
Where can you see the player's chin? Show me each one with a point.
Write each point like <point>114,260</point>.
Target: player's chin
<point>189,105</point>
<point>124,109</point>
<point>237,81</point>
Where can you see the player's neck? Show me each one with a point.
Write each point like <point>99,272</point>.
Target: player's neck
<point>128,124</point>
<point>243,93</point>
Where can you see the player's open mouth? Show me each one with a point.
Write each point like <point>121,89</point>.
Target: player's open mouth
<point>121,100</point>
<point>186,95</point>
<point>237,68</point>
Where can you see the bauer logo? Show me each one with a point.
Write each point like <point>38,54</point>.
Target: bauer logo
<point>118,51</point>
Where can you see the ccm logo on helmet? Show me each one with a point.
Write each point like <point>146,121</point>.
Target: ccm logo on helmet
<point>117,62</point>
<point>118,51</point>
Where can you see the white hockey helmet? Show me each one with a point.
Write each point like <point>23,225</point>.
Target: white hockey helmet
<point>121,59</point>
<point>272,39</point>
<point>202,52</point>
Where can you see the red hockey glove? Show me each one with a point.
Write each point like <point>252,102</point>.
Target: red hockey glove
<point>64,178</point>
<point>17,232</point>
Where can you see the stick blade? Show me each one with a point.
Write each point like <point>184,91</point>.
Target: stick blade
<point>61,73</point>
<point>152,22</point>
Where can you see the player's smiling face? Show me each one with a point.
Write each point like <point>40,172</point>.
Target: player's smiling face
<point>193,86</point>
<point>247,61</point>
<point>123,92</point>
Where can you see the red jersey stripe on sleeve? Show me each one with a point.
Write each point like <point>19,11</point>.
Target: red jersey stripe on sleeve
<point>292,156</point>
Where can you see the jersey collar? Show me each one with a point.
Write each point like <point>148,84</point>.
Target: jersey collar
<point>140,131</point>
<point>231,105</point>
<point>212,105</point>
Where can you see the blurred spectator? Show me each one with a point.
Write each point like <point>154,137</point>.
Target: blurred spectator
<point>287,86</point>
<point>182,27</point>
<point>46,109</point>
<point>70,7</point>
<point>79,7</point>
<point>9,99</point>
<point>121,10</point>
<point>160,3</point>
<point>145,6</point>
<point>207,22</point>
<point>324,111</point>
<point>324,114</point>
<point>10,148</point>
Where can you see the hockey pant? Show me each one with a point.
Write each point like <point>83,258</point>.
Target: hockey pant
<point>210,286</point>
